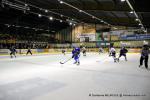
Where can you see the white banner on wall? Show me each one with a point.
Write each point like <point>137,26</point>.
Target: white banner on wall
<point>87,37</point>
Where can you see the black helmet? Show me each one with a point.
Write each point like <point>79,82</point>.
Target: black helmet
<point>145,45</point>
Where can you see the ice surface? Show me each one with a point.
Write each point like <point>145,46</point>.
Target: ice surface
<point>96,78</point>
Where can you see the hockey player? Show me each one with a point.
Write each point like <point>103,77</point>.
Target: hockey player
<point>144,56</point>
<point>112,53</point>
<point>101,50</point>
<point>13,52</point>
<point>123,52</point>
<point>84,51</point>
<point>76,55</point>
<point>29,51</point>
<point>63,51</point>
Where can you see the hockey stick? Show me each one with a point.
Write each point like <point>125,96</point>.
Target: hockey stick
<point>65,61</point>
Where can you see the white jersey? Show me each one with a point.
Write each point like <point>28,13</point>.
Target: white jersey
<point>83,48</point>
<point>101,50</point>
<point>112,50</point>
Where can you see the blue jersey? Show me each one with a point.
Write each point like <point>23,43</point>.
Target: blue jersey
<point>76,53</point>
<point>123,51</point>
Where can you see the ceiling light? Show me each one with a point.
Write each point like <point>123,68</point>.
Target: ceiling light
<point>131,12</point>
<point>93,17</point>
<point>140,24</point>
<point>51,18</point>
<point>26,27</point>
<point>80,10</point>
<point>41,29</point>
<point>18,26</point>
<point>136,19</point>
<point>61,2</point>
<point>61,21</point>
<point>70,23</point>
<point>39,15</point>
<point>46,11</point>
<point>26,4</point>
<point>123,0</point>
<point>61,15</point>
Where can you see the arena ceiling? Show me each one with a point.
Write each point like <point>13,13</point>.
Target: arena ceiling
<point>35,14</point>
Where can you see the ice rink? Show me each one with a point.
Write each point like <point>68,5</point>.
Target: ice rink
<point>42,77</point>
